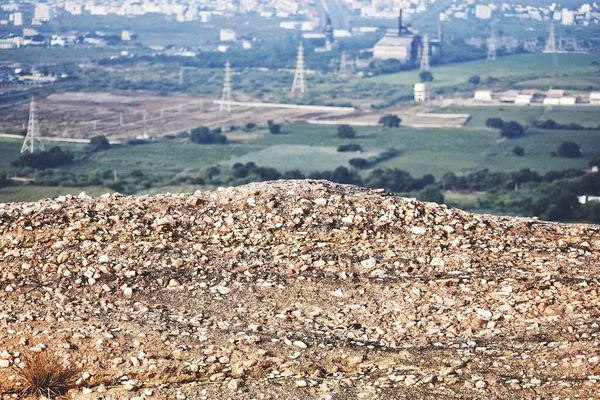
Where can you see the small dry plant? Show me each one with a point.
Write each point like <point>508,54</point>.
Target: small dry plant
<point>44,374</point>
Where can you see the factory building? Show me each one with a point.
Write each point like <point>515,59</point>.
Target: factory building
<point>402,45</point>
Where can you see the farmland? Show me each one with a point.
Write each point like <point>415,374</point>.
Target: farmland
<point>519,66</point>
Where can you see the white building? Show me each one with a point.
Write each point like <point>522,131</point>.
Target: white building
<point>595,98</point>
<point>584,199</point>
<point>523,99</point>
<point>483,96</point>
<point>567,17</point>
<point>18,19</point>
<point>42,13</point>
<point>568,101</point>
<point>421,92</point>
<point>227,35</point>
<point>483,11</point>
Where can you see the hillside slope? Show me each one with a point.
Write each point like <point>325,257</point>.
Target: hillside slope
<point>299,289</point>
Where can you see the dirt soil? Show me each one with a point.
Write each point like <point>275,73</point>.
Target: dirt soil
<point>298,290</point>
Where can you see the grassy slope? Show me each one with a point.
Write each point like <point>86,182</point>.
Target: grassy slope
<point>35,193</point>
<point>523,65</point>
<point>585,116</point>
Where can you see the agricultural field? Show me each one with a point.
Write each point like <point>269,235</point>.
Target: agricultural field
<point>586,116</point>
<point>517,66</point>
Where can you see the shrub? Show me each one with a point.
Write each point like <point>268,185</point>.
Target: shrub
<point>275,129</point>
<point>432,194</point>
<point>475,80</point>
<point>519,151</point>
<point>495,123</point>
<point>349,148</point>
<point>250,126</point>
<point>45,375</point>
<point>512,130</point>
<point>569,150</point>
<point>203,135</point>
<point>426,76</point>
<point>346,132</point>
<point>390,121</point>
<point>55,157</point>
<point>98,143</point>
<point>359,163</point>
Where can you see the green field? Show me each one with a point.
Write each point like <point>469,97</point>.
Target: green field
<point>34,193</point>
<point>586,116</point>
<point>517,66</point>
<point>9,151</point>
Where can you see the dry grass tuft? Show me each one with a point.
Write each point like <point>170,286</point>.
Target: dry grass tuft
<point>44,374</point>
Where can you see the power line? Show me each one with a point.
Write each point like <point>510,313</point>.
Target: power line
<point>226,99</point>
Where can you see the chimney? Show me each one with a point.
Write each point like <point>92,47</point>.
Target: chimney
<point>400,27</point>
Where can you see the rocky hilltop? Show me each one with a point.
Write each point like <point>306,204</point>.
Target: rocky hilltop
<point>302,290</point>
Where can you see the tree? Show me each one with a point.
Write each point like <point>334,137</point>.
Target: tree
<point>250,126</point>
<point>569,150</point>
<point>519,151</point>
<point>432,194</point>
<point>203,135</point>
<point>346,132</point>
<point>512,130</point>
<point>426,76</point>
<point>359,163</point>
<point>349,148</point>
<point>390,121</point>
<point>475,80</point>
<point>55,157</point>
<point>495,123</point>
<point>273,127</point>
<point>98,143</point>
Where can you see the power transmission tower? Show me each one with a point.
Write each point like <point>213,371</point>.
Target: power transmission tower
<point>32,142</point>
<point>551,43</point>
<point>425,56</point>
<point>299,84</point>
<point>342,71</point>
<point>492,42</point>
<point>226,99</point>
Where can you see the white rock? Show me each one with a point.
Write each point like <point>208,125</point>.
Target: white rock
<point>103,259</point>
<point>417,230</point>
<point>337,293</point>
<point>299,343</point>
<point>485,314</point>
<point>4,363</point>
<point>437,262</point>
<point>368,263</point>
<point>222,289</point>
<point>301,383</point>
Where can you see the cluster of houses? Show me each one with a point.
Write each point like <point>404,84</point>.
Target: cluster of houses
<point>553,97</point>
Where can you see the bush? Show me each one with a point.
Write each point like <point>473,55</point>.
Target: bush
<point>203,135</point>
<point>432,194</point>
<point>495,123</point>
<point>390,121</point>
<point>519,151</point>
<point>53,158</point>
<point>275,129</point>
<point>359,163</point>
<point>426,76</point>
<point>569,150</point>
<point>98,143</point>
<point>346,132</point>
<point>349,148</point>
<point>475,80</point>
<point>512,130</point>
<point>45,375</point>
<point>250,126</point>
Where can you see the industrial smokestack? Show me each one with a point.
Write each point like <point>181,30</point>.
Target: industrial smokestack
<point>400,27</point>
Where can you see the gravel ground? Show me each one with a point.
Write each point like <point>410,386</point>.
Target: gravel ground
<point>298,290</point>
